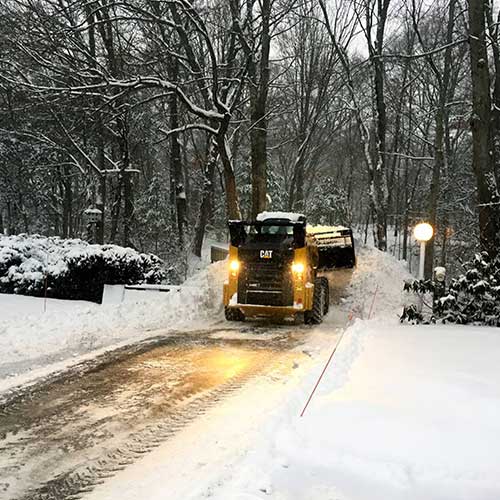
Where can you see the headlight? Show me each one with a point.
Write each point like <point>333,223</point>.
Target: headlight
<point>234,267</point>
<point>298,268</point>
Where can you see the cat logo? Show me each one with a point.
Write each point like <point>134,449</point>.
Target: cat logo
<point>266,254</point>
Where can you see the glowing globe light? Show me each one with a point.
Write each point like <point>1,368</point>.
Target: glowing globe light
<point>423,231</point>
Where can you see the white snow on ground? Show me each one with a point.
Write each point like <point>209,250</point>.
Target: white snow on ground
<point>196,264</point>
<point>14,307</point>
<point>30,338</point>
<point>403,412</point>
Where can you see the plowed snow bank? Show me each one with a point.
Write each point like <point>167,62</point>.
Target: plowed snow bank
<point>377,273</point>
<point>29,339</point>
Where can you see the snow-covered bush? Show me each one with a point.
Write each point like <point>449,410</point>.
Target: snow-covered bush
<point>473,297</point>
<point>70,269</point>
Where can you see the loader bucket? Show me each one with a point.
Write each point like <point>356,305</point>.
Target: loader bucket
<point>336,248</point>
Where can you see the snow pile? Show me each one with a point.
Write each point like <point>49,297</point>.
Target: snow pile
<point>30,340</point>
<point>379,279</point>
<point>70,268</point>
<point>15,307</point>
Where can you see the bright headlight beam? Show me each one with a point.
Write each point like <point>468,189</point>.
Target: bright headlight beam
<point>234,266</point>
<point>298,267</point>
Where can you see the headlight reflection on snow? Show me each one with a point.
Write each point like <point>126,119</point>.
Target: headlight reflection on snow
<point>229,364</point>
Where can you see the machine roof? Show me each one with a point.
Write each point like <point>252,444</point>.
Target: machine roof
<point>291,216</point>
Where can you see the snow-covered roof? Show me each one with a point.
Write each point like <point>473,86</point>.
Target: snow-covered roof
<point>291,216</point>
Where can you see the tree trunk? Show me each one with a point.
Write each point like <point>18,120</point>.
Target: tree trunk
<point>128,208</point>
<point>299,204</point>
<point>483,162</point>
<point>258,121</point>
<point>233,208</point>
<point>101,193</point>
<point>379,195</point>
<point>440,141</point>
<point>67,226</point>
<point>10,225</point>
<point>101,205</point>
<point>493,28</point>
<point>115,210</point>
<point>434,191</point>
<point>258,139</point>
<point>206,206</point>
<point>176,174</point>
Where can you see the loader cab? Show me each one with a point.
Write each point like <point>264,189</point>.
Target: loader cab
<point>277,232</point>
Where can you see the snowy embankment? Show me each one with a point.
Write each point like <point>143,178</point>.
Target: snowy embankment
<point>403,412</point>
<point>30,338</point>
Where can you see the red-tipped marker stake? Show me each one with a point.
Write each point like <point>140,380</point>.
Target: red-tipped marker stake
<point>333,352</point>
<point>373,302</point>
<point>320,377</point>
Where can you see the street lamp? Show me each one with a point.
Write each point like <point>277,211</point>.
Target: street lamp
<point>423,232</point>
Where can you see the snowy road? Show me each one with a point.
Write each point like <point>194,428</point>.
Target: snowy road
<point>63,436</point>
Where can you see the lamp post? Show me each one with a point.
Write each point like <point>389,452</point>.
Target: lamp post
<point>92,216</point>
<point>423,232</point>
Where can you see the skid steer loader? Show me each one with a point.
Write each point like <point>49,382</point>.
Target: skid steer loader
<point>275,265</point>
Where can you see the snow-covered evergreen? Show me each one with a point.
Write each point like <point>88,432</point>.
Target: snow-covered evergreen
<point>473,297</point>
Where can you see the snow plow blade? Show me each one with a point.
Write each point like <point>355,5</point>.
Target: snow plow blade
<point>335,247</point>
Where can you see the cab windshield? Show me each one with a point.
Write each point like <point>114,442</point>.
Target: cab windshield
<point>258,232</point>
<point>270,231</point>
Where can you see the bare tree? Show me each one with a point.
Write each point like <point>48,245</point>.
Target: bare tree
<point>373,154</point>
<point>483,160</point>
